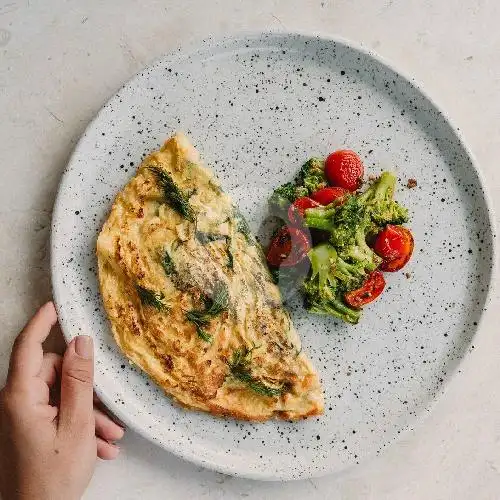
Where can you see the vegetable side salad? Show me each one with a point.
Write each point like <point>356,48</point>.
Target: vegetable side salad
<point>345,236</point>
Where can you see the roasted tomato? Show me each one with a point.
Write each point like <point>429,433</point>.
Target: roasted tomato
<point>371,289</point>
<point>395,245</point>
<point>344,169</point>
<point>288,247</point>
<point>298,207</point>
<point>328,195</point>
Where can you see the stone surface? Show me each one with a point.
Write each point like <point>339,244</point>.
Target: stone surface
<point>59,62</point>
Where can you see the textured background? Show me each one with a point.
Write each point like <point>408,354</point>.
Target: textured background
<point>59,62</point>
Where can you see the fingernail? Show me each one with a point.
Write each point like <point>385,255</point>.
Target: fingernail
<point>84,346</point>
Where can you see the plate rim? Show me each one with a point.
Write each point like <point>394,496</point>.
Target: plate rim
<point>183,51</point>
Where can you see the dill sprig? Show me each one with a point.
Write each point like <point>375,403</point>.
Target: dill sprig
<point>151,298</point>
<point>230,258</point>
<point>167,264</point>
<point>173,195</point>
<point>239,366</point>
<point>205,238</point>
<point>204,335</point>
<point>215,188</point>
<point>242,225</point>
<point>214,305</point>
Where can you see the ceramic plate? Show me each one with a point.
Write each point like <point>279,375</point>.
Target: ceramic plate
<point>256,107</point>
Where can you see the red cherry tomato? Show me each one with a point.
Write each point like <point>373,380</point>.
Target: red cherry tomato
<point>288,247</point>
<point>391,266</point>
<point>328,195</point>
<point>367,293</point>
<point>395,245</point>
<point>298,208</point>
<point>344,169</point>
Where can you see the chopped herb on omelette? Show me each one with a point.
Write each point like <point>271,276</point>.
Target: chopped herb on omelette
<point>190,299</point>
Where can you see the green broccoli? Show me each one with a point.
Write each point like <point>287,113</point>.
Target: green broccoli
<point>323,259</point>
<point>359,253</point>
<point>349,276</point>
<point>321,217</point>
<point>381,206</point>
<point>310,179</point>
<point>347,221</point>
<point>348,225</point>
<point>285,195</point>
<point>343,219</point>
<point>330,278</point>
<point>335,307</point>
<point>312,175</point>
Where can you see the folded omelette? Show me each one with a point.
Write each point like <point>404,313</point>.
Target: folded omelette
<point>190,299</point>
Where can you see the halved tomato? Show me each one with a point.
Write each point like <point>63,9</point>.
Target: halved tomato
<point>395,245</point>
<point>371,289</point>
<point>288,247</point>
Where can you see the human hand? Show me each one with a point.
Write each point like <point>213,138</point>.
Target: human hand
<point>50,436</point>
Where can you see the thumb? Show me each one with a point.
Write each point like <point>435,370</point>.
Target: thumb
<point>76,414</point>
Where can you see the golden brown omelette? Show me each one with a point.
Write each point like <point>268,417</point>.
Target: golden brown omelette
<point>190,299</point>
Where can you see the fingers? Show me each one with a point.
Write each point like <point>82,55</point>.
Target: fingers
<point>48,412</point>
<point>105,450</point>
<point>100,406</point>
<point>27,353</point>
<point>76,414</point>
<point>51,367</point>
<point>105,428</point>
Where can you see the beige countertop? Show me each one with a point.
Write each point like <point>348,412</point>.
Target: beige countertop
<point>61,60</point>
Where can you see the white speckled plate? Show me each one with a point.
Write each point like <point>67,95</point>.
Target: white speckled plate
<point>257,107</point>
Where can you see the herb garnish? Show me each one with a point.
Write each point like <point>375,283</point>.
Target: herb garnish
<point>150,298</point>
<point>230,258</point>
<point>205,238</point>
<point>240,370</point>
<point>167,264</point>
<point>215,187</point>
<point>213,306</point>
<point>173,195</point>
<point>204,335</point>
<point>242,225</point>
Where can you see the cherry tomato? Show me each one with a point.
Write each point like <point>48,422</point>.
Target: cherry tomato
<point>298,207</point>
<point>288,247</point>
<point>395,245</point>
<point>344,169</point>
<point>328,195</point>
<point>368,292</point>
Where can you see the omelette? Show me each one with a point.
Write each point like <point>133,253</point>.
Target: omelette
<point>191,301</point>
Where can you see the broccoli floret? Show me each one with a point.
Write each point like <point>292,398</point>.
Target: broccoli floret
<point>378,199</point>
<point>336,308</point>
<point>327,283</point>
<point>312,175</point>
<point>320,217</point>
<point>359,253</point>
<point>284,196</point>
<point>348,225</point>
<point>341,220</point>
<point>349,276</point>
<point>323,259</point>
<point>310,179</point>
<point>347,220</point>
